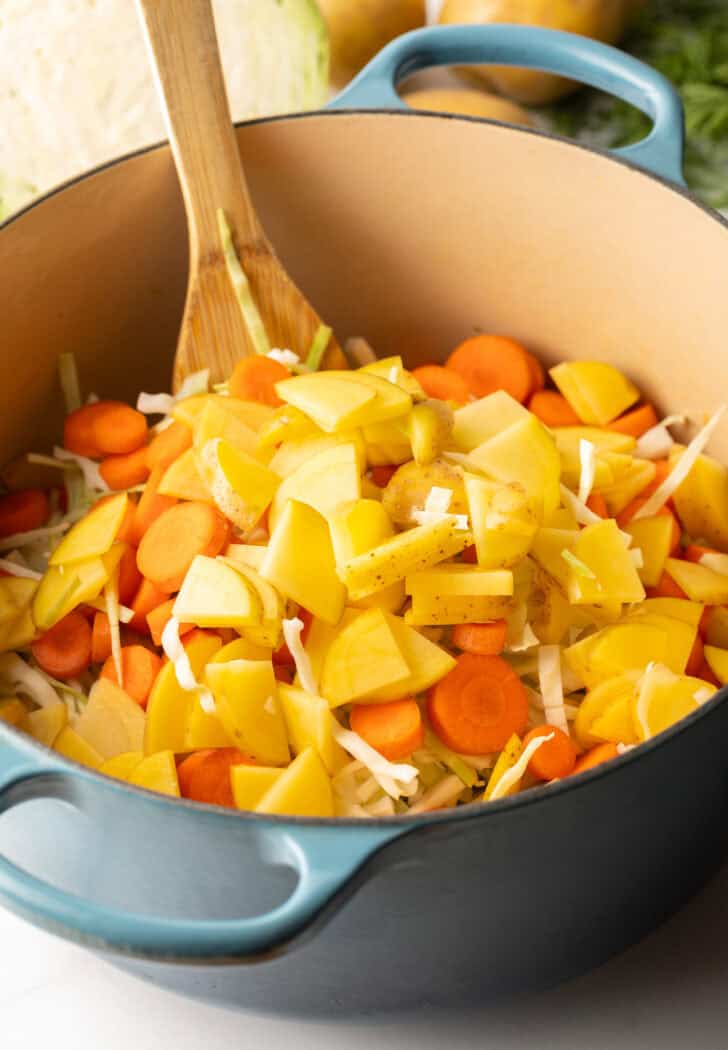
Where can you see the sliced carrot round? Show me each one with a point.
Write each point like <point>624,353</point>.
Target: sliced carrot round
<point>166,446</point>
<point>394,729</point>
<point>117,428</point>
<point>477,706</point>
<point>254,379</point>
<point>78,435</point>
<point>126,470</point>
<point>147,597</point>
<point>129,576</point>
<point>381,476</point>
<point>150,506</point>
<point>694,552</point>
<point>598,505</point>
<point>553,409</point>
<point>696,658</point>
<point>100,639</point>
<point>666,588</point>
<point>139,668</point>
<point>440,382</point>
<point>22,511</point>
<point>174,540</point>
<point>487,639</point>
<point>538,377</point>
<point>636,422</point>
<point>554,759</point>
<point>595,756</point>
<point>65,650</point>
<point>204,776</point>
<point>493,362</point>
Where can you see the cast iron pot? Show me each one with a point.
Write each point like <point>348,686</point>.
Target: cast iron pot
<point>414,231</point>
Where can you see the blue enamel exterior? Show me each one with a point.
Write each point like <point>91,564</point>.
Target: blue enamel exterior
<point>576,57</point>
<point>329,859</point>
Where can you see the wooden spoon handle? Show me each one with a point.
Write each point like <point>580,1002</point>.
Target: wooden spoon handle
<point>184,52</point>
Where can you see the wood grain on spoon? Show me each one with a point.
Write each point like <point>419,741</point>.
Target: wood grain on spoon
<point>186,60</point>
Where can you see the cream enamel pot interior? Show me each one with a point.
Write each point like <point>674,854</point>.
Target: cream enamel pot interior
<point>414,231</point>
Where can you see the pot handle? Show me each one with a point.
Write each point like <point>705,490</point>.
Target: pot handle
<point>326,862</point>
<point>567,54</point>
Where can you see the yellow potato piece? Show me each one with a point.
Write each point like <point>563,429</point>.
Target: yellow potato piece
<point>653,536</point>
<point>611,692</point>
<point>600,548</point>
<point>675,608</point>
<point>170,706</point>
<point>383,368</point>
<point>183,480</point>
<point>94,534</point>
<point>459,581</point>
<point>252,413</point>
<point>293,453</point>
<point>717,660</point>
<point>625,646</point>
<point>483,419</point>
<point>700,583</point>
<point>549,612</point>
<point>623,490</point>
<point>391,400</point>
<point>204,729</point>
<point>524,453</point>
<point>213,594</point>
<point>429,428</point>
<point>111,722</point>
<point>323,482</point>
<point>13,711</point>
<point>717,632</point>
<point>251,783</point>
<point>157,772</point>
<point>357,526</point>
<point>240,486</point>
<point>46,723</point>
<point>411,551</point>
<point>408,489</point>
<point>427,662</point>
<point>287,425</point>
<point>217,421</point>
<point>69,744</point>
<point>547,551</point>
<point>616,724</point>
<point>65,587</point>
<point>302,790</point>
<point>702,500</point>
<point>363,657</point>
<point>16,594</point>
<point>329,401</point>
<point>299,562</point>
<point>387,442</point>
<point>309,724</point>
<point>597,392</point>
<point>247,705</point>
<point>271,602</point>
<point>247,553</point>
<point>320,637</point>
<point>665,698</point>
<point>122,766</point>
<point>453,609</point>
<point>506,760</point>
<point>503,522</point>
<point>17,633</point>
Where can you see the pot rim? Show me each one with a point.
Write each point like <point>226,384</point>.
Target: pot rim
<point>460,814</point>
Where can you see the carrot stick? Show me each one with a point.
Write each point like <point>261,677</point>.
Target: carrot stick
<point>553,409</point>
<point>151,505</point>
<point>636,422</point>
<point>284,673</point>
<point>666,588</point>
<point>158,619</point>
<point>166,446</point>
<point>492,362</point>
<point>438,381</point>
<point>254,379</point>
<point>100,639</point>
<point>487,639</point>
<point>470,555</point>
<point>126,470</point>
<point>65,650</point>
<point>204,776</point>
<point>538,378</point>
<point>139,667</point>
<point>173,541</point>
<point>117,428</point>
<point>395,729</point>
<point>554,759</point>
<point>696,658</point>
<point>479,705</point>
<point>598,504</point>
<point>595,756</point>
<point>381,476</point>
<point>704,624</point>
<point>148,597</point>
<point>129,576</point>
<point>23,510</point>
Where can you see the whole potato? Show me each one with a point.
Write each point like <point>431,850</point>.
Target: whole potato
<point>603,20</point>
<point>469,103</point>
<point>358,29</point>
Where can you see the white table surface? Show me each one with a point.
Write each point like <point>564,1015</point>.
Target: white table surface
<point>668,993</point>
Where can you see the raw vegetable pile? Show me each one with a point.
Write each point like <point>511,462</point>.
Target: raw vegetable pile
<point>368,592</point>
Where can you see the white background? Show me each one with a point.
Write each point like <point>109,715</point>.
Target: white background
<point>668,993</point>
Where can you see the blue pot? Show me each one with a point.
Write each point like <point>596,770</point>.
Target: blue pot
<point>413,230</point>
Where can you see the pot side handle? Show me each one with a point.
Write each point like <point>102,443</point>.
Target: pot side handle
<point>326,862</point>
<point>566,54</point>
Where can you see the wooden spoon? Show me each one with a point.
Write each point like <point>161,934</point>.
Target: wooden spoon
<point>186,60</point>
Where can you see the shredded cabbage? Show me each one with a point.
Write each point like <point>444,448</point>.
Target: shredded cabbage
<point>638,558</point>
<point>398,780</point>
<point>436,509</point>
<point>359,352</point>
<point>657,442</point>
<point>551,685</point>
<point>111,600</point>
<point>251,315</point>
<point>588,462</point>
<point>292,629</point>
<point>526,641</point>
<point>516,771</point>
<point>89,469</point>
<point>68,376</point>
<point>715,562</point>
<point>579,567</point>
<point>318,347</point>
<point>14,569</point>
<point>444,793</point>
<point>22,539</point>
<point>284,357</point>
<point>155,404</point>
<point>449,758</point>
<point>175,651</point>
<point>18,674</point>
<point>680,471</point>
